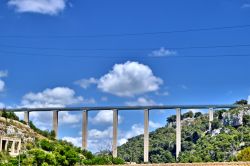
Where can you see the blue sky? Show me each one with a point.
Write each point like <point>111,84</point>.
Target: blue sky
<point>58,53</point>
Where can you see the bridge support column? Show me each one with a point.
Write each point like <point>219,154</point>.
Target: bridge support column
<point>1,146</point>
<point>115,133</point>
<point>26,117</point>
<point>178,132</point>
<point>55,123</point>
<point>211,118</point>
<point>6,145</point>
<point>13,146</point>
<point>146,135</point>
<point>84,129</point>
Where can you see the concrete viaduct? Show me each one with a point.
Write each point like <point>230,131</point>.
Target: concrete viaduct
<point>146,109</point>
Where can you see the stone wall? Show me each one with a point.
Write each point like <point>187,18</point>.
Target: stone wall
<point>10,144</point>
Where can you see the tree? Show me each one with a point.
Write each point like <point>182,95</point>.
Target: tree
<point>216,124</point>
<point>188,114</point>
<point>72,156</point>
<point>9,115</point>
<point>196,137</point>
<point>159,155</point>
<point>46,145</point>
<point>244,155</point>
<point>39,156</point>
<point>4,114</point>
<point>241,102</point>
<point>171,119</point>
<point>219,113</point>
<point>246,120</point>
<point>189,157</point>
<point>197,114</point>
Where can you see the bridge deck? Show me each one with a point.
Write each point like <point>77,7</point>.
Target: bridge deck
<point>159,107</point>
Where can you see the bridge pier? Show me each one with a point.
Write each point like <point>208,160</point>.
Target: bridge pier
<point>146,135</point>
<point>26,117</point>
<point>211,118</point>
<point>55,123</point>
<point>6,145</point>
<point>115,128</point>
<point>178,132</point>
<point>84,129</point>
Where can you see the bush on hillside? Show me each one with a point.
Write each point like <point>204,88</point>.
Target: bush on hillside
<point>244,155</point>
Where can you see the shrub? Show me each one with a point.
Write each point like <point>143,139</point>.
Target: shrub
<point>246,120</point>
<point>216,124</point>
<point>197,114</point>
<point>117,161</point>
<point>244,155</point>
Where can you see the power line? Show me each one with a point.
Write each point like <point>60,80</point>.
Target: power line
<point>112,57</point>
<point>124,49</point>
<point>129,34</point>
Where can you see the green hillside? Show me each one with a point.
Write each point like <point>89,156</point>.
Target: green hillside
<point>230,134</point>
<point>39,148</point>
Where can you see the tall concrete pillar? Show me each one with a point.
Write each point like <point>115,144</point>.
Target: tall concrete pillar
<point>6,145</point>
<point>115,132</point>
<point>19,146</point>
<point>84,129</point>
<point>146,135</point>
<point>1,144</point>
<point>26,117</point>
<point>178,132</point>
<point>210,117</point>
<point>55,123</point>
<point>13,146</point>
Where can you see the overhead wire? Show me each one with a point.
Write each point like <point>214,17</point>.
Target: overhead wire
<point>13,53</point>
<point>128,34</point>
<point>124,49</point>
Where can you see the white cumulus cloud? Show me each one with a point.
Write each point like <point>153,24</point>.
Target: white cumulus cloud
<point>77,141</point>
<point>2,83</point>
<point>162,52</point>
<point>2,105</point>
<point>154,125</point>
<point>50,7</point>
<point>135,130</point>
<point>141,101</point>
<point>3,73</point>
<point>246,5</point>
<point>105,117</point>
<point>97,139</point>
<point>248,101</point>
<point>85,83</point>
<point>98,134</point>
<point>67,118</point>
<point>56,97</point>
<point>164,93</point>
<point>102,139</point>
<point>129,79</point>
<point>104,98</point>
<point>43,120</point>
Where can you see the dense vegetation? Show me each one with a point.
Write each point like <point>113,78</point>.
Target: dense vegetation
<point>198,144</point>
<point>44,152</point>
<point>53,153</point>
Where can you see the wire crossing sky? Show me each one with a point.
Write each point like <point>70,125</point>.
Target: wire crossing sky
<point>130,34</point>
<point>104,53</point>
